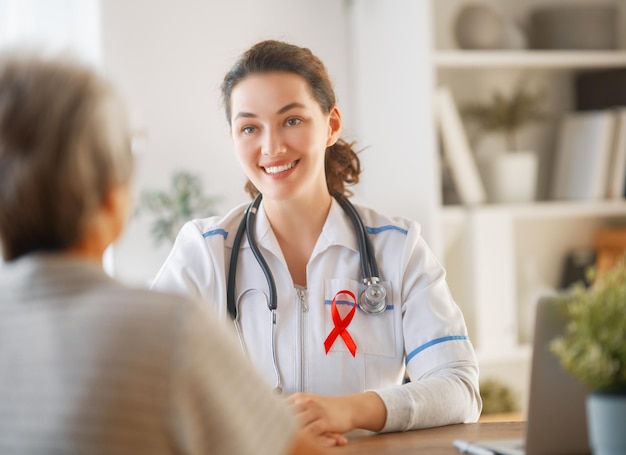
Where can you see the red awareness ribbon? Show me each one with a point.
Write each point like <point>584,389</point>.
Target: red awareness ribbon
<point>341,325</point>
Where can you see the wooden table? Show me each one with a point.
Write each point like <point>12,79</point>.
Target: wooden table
<point>435,441</point>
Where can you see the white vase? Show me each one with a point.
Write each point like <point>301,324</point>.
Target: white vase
<point>478,26</point>
<point>606,417</point>
<point>510,177</point>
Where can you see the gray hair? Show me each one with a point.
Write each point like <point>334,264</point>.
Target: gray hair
<point>64,143</point>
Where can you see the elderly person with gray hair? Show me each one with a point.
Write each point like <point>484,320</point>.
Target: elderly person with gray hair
<point>88,365</point>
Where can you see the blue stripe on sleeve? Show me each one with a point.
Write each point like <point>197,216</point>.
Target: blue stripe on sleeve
<point>215,232</point>
<point>388,227</point>
<point>419,349</point>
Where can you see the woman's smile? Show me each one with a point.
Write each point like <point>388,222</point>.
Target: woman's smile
<point>279,169</point>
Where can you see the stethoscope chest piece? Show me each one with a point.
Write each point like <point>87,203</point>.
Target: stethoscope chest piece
<point>374,299</point>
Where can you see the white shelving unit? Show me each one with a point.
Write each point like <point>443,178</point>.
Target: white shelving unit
<point>529,59</point>
<point>500,258</point>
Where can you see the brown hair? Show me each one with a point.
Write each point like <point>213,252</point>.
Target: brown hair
<point>342,165</point>
<point>64,142</point>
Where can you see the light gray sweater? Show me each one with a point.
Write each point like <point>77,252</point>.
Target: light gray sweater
<point>89,366</point>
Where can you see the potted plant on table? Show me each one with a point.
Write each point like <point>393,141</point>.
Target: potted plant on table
<point>593,350</point>
<point>511,175</point>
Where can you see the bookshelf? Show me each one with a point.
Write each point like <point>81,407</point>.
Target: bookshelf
<point>501,257</point>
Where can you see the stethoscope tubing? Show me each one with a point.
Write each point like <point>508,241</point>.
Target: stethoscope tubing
<point>279,385</point>
<point>369,265</point>
<point>231,302</point>
<point>250,225</point>
<point>247,227</point>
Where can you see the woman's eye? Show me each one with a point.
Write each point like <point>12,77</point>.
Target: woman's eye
<point>293,121</point>
<point>248,129</point>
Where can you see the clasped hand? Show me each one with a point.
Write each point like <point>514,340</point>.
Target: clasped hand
<point>328,418</point>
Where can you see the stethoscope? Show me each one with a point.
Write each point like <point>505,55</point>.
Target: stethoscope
<point>372,300</point>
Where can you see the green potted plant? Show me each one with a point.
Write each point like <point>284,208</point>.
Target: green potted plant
<point>593,350</point>
<point>511,175</point>
<point>171,209</point>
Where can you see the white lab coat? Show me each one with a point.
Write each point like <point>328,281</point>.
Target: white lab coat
<point>422,328</point>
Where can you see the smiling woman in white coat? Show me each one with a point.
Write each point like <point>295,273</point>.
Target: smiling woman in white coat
<point>357,301</point>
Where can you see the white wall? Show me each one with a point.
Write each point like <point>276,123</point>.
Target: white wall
<point>169,58</point>
<point>392,99</point>
<point>52,25</point>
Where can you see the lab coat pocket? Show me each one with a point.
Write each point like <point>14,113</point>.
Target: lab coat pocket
<point>373,334</point>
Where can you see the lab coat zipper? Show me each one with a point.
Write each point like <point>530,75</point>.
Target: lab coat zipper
<point>304,307</point>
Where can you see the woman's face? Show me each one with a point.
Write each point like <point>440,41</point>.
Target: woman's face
<point>280,134</point>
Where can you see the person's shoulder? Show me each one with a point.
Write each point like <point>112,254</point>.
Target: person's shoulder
<point>219,226</point>
<point>162,310</point>
<point>140,297</point>
<point>377,221</point>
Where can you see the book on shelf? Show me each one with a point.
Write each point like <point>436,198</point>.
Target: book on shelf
<point>600,89</point>
<point>584,154</point>
<point>617,168</point>
<point>456,149</point>
<point>609,243</point>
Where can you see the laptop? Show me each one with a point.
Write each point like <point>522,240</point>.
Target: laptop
<point>556,422</point>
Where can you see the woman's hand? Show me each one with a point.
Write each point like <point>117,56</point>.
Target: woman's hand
<point>327,418</point>
<point>321,416</point>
